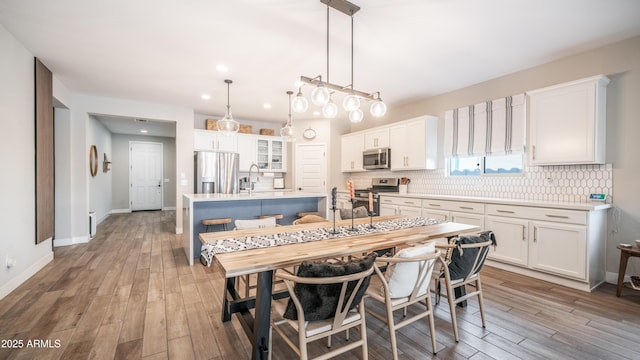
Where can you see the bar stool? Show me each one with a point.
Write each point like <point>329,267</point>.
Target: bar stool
<point>301,214</point>
<point>220,221</point>
<point>277,216</point>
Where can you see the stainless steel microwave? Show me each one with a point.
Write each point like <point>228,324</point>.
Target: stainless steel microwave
<point>376,159</point>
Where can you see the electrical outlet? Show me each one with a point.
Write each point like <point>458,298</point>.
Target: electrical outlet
<point>10,261</point>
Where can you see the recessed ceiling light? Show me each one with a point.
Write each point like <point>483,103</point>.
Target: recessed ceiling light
<point>205,97</point>
<point>267,106</point>
<point>316,113</point>
<point>143,131</point>
<point>222,68</point>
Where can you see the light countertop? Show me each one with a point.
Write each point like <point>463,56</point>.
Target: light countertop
<point>265,195</point>
<point>584,206</point>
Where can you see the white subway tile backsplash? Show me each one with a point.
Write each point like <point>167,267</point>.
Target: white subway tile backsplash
<point>568,183</point>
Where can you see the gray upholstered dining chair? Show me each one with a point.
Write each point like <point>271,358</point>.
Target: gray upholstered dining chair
<point>461,266</point>
<point>405,283</point>
<point>325,298</point>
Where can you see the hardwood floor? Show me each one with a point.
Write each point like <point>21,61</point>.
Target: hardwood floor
<point>130,294</point>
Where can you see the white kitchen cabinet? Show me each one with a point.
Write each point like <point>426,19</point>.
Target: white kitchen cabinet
<point>343,201</point>
<point>512,237</point>
<point>271,153</point>
<point>352,147</point>
<point>563,246</point>
<point>463,212</point>
<point>247,151</point>
<point>567,122</point>
<point>559,248</point>
<point>414,144</point>
<point>400,206</point>
<point>213,141</point>
<point>376,138</point>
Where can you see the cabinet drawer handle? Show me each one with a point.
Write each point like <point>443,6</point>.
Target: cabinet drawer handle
<point>557,216</point>
<point>434,204</point>
<point>506,211</point>
<point>409,202</point>
<point>466,207</point>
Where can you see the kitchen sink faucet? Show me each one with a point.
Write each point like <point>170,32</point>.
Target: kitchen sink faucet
<point>251,183</point>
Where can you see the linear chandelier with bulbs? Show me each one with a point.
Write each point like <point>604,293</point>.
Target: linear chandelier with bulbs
<point>323,91</point>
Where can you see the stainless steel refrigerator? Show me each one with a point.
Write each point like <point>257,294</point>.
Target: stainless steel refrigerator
<point>216,172</point>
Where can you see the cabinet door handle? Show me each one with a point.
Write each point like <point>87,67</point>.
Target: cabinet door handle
<point>505,211</point>
<point>435,205</point>
<point>533,152</point>
<point>557,216</point>
<point>535,234</point>
<point>466,207</point>
<point>523,232</point>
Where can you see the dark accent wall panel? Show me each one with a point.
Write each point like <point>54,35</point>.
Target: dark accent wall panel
<point>44,135</point>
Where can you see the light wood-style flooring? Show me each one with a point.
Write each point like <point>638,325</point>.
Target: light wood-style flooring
<point>130,294</point>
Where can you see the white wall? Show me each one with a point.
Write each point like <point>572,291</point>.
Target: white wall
<point>120,170</point>
<point>17,156</point>
<point>100,185</point>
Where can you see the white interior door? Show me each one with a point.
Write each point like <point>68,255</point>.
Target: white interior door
<point>311,167</point>
<point>145,175</point>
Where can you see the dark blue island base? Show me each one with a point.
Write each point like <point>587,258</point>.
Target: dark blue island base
<point>197,208</point>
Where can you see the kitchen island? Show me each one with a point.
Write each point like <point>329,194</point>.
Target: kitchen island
<point>197,207</point>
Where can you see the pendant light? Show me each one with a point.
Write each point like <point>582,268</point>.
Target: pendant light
<point>330,109</point>
<point>288,131</point>
<point>227,125</point>
<point>324,90</point>
<point>300,103</point>
<point>378,108</point>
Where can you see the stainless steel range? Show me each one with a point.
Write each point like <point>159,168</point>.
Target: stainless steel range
<point>378,185</point>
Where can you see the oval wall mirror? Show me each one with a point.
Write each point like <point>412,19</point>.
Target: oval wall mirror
<point>93,160</point>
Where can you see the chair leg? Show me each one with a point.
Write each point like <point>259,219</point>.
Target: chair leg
<point>432,325</point>
<point>452,309</point>
<point>392,331</point>
<point>363,332</point>
<point>480,300</point>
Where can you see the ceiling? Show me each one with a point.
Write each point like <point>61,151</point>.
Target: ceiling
<point>167,51</point>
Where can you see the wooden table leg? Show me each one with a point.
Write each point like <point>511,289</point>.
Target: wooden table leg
<point>624,257</point>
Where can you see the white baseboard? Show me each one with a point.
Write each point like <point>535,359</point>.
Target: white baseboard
<point>25,275</point>
<point>103,218</point>
<point>71,241</point>
<point>166,208</point>
<point>120,211</point>
<point>178,230</point>
<point>612,278</point>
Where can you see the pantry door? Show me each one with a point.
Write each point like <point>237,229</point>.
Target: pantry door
<point>145,175</point>
<point>311,168</point>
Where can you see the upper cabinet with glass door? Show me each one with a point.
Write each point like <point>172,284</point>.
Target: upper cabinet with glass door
<point>271,153</point>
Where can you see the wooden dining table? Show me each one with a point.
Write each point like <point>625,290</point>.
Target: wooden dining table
<point>264,261</point>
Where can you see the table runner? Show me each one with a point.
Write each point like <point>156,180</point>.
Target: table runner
<point>210,249</point>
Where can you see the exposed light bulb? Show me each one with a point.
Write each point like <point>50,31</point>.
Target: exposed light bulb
<point>299,103</point>
<point>320,95</point>
<point>378,108</point>
<point>356,116</point>
<point>330,110</point>
<point>351,102</point>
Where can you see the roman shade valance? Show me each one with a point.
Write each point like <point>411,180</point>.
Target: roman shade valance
<point>494,127</point>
